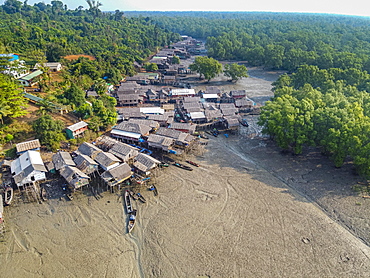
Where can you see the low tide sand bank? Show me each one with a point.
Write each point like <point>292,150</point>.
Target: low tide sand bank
<point>228,218</point>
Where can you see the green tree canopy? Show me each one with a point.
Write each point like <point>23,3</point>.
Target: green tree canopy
<point>235,71</point>
<point>12,103</point>
<point>208,67</point>
<point>49,132</point>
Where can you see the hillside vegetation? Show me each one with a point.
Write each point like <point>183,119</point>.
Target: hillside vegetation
<point>48,32</point>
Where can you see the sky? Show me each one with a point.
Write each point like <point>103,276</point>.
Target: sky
<point>354,7</point>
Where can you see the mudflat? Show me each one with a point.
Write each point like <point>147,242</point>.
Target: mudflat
<point>247,211</point>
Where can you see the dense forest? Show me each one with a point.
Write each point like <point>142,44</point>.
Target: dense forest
<point>48,32</point>
<point>276,40</point>
<point>323,100</point>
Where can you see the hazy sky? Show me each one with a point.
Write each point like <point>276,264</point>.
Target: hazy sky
<point>354,7</point>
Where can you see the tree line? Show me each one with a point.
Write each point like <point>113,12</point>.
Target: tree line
<point>329,109</point>
<point>276,40</point>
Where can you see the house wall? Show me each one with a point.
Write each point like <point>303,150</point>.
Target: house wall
<point>79,131</point>
<point>110,166</point>
<point>38,176</point>
<point>77,183</point>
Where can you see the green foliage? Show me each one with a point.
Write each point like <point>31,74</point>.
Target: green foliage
<point>74,96</point>
<point>175,60</point>
<point>8,137</point>
<point>12,103</point>
<point>53,31</point>
<point>208,67</point>
<point>11,153</point>
<point>323,108</point>
<point>276,40</point>
<point>49,132</point>
<point>235,71</point>
<point>151,66</point>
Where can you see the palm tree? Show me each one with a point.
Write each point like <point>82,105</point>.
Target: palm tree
<point>94,7</point>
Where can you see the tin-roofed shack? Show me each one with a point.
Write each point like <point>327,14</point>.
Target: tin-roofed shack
<point>121,150</point>
<point>28,169</point>
<point>74,176</point>
<point>107,161</point>
<point>184,127</point>
<point>130,132</point>
<point>62,159</point>
<point>144,163</point>
<point>117,175</point>
<point>86,164</point>
<point>88,149</point>
<point>160,142</point>
<point>76,130</point>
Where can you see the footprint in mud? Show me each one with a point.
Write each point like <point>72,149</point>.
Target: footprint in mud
<point>21,241</point>
<point>344,258</point>
<point>206,196</point>
<point>306,240</point>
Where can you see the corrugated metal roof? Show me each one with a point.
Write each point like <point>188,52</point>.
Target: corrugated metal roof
<point>125,133</point>
<point>77,126</point>
<point>32,75</point>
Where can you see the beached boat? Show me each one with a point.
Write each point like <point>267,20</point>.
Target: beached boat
<point>128,202</point>
<point>193,163</point>
<point>154,189</point>
<point>131,221</point>
<point>8,195</point>
<point>143,180</point>
<point>182,166</point>
<point>1,208</point>
<point>43,194</point>
<point>141,197</point>
<point>203,136</point>
<point>133,195</point>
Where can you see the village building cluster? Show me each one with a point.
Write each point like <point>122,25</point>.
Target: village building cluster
<point>157,112</point>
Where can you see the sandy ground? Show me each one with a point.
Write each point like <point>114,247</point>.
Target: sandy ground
<point>248,211</point>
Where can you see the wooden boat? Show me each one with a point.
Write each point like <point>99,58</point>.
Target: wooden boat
<point>133,195</point>
<point>128,204</point>
<point>8,195</point>
<point>154,189</point>
<point>131,221</point>
<point>203,136</point>
<point>143,180</point>
<point>182,166</point>
<point>1,208</point>
<point>43,194</point>
<point>192,163</point>
<point>141,197</point>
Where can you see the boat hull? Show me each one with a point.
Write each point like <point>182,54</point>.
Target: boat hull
<point>128,202</point>
<point>131,221</point>
<point>182,166</point>
<point>8,195</point>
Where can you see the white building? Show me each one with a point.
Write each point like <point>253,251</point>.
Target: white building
<point>28,169</point>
